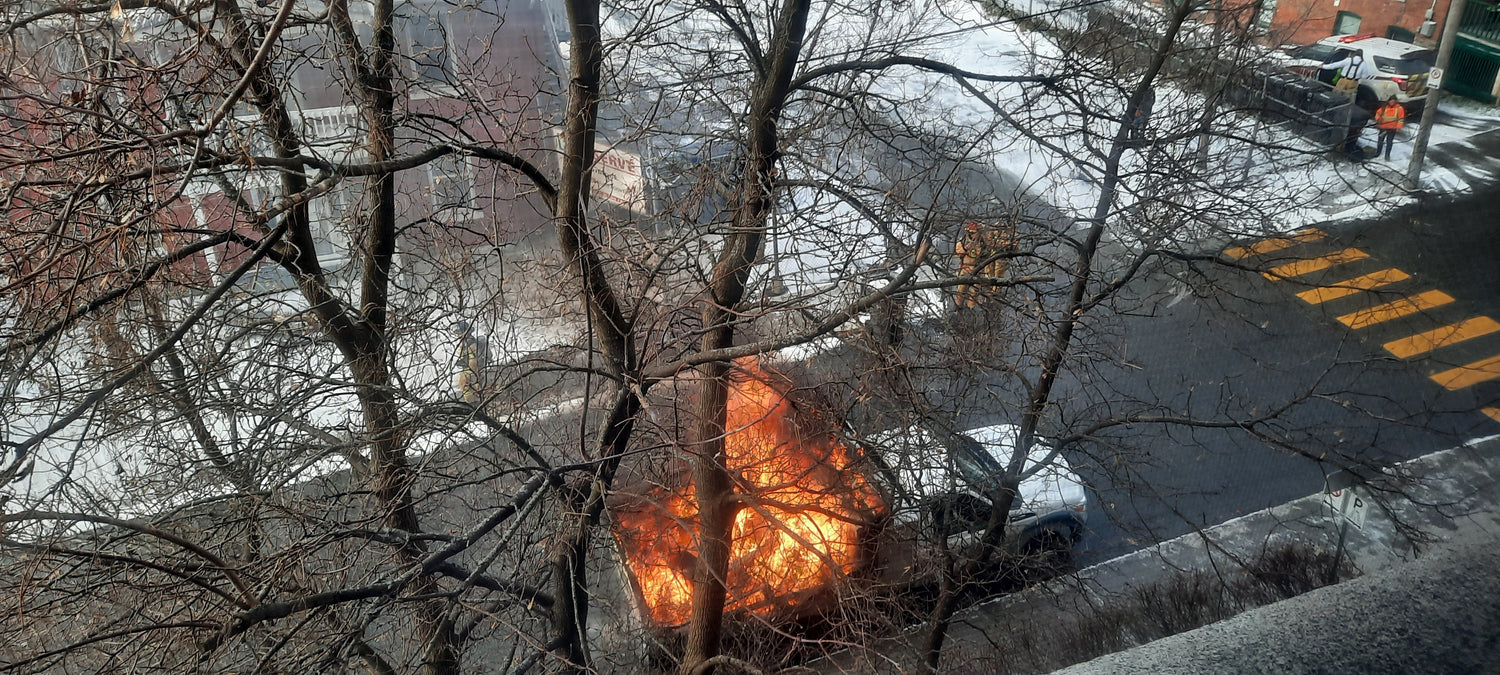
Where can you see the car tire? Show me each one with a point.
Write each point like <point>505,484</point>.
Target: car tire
<point>1365,98</point>
<point>1047,553</point>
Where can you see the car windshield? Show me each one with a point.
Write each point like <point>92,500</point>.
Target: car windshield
<point>1412,64</point>
<point>976,465</point>
<point>1316,52</point>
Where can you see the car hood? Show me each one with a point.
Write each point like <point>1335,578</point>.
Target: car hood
<point>1047,480</point>
<point>922,468</point>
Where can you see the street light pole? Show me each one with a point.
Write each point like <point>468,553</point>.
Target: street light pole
<point>1429,110</point>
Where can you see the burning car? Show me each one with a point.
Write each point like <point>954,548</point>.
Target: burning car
<point>807,512</point>
<point>817,511</point>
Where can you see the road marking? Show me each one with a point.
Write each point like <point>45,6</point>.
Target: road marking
<point>1301,267</point>
<point>1469,375</point>
<point>1275,244</point>
<point>1492,411</point>
<point>1317,296</point>
<point>1421,343</point>
<point>1365,318</point>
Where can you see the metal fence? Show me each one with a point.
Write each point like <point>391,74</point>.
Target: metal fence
<point>1481,20</point>
<point>1473,69</point>
<point>1308,107</point>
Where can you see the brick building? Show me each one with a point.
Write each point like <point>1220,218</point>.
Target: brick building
<point>1304,21</point>
<point>1476,56</point>
<point>455,60</point>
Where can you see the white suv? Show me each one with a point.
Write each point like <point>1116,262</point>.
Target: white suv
<point>1391,68</point>
<point>941,483</point>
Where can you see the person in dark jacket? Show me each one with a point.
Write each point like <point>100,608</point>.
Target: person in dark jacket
<point>1141,115</point>
<point>1358,120</point>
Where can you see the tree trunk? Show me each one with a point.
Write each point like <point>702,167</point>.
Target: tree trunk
<point>712,490</point>
<point>942,611</point>
<point>611,326</point>
<point>742,249</point>
<point>1004,497</point>
<point>570,578</point>
<point>570,588</point>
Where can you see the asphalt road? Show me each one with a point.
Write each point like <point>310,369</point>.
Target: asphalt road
<point>1230,345</point>
<point>1242,345</point>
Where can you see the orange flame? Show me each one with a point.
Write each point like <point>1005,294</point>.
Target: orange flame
<point>801,527</point>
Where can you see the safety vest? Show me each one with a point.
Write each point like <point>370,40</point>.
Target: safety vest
<point>1390,117</point>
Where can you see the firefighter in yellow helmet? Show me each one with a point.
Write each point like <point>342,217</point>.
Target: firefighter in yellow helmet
<point>472,359</point>
<point>986,245</point>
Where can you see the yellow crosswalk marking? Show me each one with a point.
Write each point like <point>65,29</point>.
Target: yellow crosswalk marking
<point>1365,282</point>
<point>1395,310</point>
<point>1493,412</point>
<point>1301,267</point>
<point>1275,244</point>
<point>1421,343</point>
<point>1469,375</point>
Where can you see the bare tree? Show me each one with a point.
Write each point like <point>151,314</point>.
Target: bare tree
<point>245,241</point>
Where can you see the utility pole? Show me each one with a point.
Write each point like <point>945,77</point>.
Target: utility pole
<point>1429,110</point>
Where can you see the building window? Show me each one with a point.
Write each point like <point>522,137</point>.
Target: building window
<point>452,179</point>
<point>70,64</point>
<point>426,42</point>
<point>267,275</point>
<point>1347,23</point>
<point>1264,16</point>
<point>328,216</point>
<point>260,199</point>
<point>1400,34</point>
<point>421,36</point>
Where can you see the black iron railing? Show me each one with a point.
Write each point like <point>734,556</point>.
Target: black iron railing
<point>1481,20</point>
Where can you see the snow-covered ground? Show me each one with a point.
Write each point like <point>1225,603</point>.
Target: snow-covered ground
<point>1003,48</point>
<point>259,399</point>
<point>823,241</point>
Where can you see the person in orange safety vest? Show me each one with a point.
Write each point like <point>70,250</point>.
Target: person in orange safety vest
<point>1388,120</point>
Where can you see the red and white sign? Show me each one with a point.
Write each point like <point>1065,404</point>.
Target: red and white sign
<point>1348,504</point>
<point>618,178</point>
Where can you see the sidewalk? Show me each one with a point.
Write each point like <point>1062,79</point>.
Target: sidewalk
<point>1451,497</point>
<point>1428,607</point>
<point>1440,614</point>
<point>1463,155</point>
